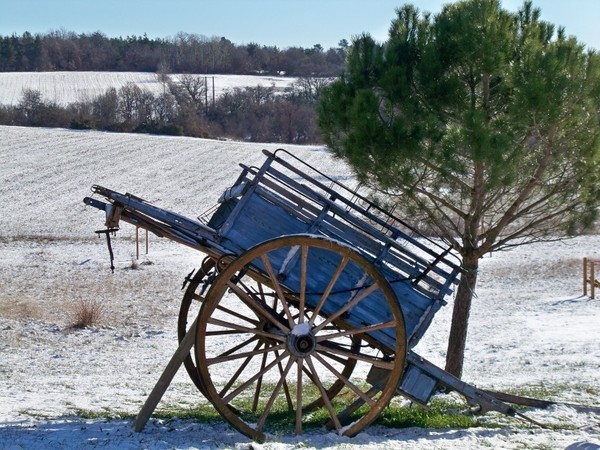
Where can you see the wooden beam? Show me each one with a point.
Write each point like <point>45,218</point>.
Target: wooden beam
<point>166,378</point>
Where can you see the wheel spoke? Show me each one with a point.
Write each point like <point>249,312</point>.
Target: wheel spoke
<point>348,410</point>
<point>267,263</point>
<point>377,362</point>
<point>354,331</point>
<point>256,306</point>
<point>299,396</point>
<point>197,297</point>
<point>346,381</point>
<point>258,294</point>
<point>238,347</point>
<point>263,417</point>
<point>251,380</point>
<point>335,358</point>
<point>259,383</point>
<point>324,395</point>
<point>221,359</point>
<point>237,314</point>
<point>238,372</point>
<point>221,332</point>
<point>327,291</point>
<point>242,329</point>
<point>353,302</point>
<point>303,262</point>
<point>286,389</point>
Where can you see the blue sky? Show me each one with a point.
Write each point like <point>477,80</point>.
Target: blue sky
<point>284,23</point>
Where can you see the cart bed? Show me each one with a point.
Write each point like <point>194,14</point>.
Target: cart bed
<point>281,199</point>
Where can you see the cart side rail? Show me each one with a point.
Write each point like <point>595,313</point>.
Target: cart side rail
<point>431,268</point>
<point>395,246</point>
<point>353,199</point>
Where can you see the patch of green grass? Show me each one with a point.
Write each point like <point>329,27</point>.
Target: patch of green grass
<point>202,413</point>
<point>104,413</point>
<point>555,392</point>
<point>440,413</point>
<point>443,412</point>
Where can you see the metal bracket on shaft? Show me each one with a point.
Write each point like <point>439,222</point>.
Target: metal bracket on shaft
<point>110,252</point>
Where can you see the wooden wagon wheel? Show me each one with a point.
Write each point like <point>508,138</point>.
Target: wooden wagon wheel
<point>278,331</point>
<point>189,308</point>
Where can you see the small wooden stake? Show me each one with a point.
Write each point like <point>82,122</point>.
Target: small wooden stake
<point>593,280</point>
<point>137,242</point>
<point>166,378</point>
<point>585,278</point>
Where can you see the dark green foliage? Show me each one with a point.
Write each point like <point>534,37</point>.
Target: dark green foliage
<point>475,101</point>
<point>84,124</point>
<point>481,123</point>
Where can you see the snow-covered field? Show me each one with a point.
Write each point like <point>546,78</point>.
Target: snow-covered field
<point>68,87</point>
<point>531,328</point>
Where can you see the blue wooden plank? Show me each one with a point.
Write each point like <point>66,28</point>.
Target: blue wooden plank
<point>262,220</point>
<point>335,227</point>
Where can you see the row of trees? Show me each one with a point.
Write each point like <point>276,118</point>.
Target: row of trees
<point>258,114</point>
<point>185,53</point>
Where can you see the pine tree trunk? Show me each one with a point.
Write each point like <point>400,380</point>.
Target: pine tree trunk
<point>460,317</point>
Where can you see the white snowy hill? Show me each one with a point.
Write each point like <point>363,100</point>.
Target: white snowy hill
<point>531,329</point>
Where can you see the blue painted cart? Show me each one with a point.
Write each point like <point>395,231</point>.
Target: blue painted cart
<point>308,303</point>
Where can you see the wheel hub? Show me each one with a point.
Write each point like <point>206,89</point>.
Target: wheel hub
<point>301,341</point>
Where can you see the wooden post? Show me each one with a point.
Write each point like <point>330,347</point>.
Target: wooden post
<point>137,242</point>
<point>166,378</point>
<point>585,278</point>
<point>593,280</point>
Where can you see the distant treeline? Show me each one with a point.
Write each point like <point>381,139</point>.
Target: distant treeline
<point>184,53</point>
<point>259,114</point>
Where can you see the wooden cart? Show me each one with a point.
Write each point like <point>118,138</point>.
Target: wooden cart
<point>307,305</point>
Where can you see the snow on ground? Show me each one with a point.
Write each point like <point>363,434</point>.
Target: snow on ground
<point>530,327</point>
<point>69,87</point>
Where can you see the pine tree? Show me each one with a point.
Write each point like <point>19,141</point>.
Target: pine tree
<point>482,124</point>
